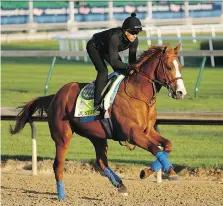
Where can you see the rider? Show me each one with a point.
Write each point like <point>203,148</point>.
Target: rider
<point>105,45</point>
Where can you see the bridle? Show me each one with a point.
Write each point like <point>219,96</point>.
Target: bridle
<point>167,81</point>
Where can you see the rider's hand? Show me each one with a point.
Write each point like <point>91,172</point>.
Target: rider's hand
<point>132,69</point>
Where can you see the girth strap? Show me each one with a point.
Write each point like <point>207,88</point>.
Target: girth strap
<point>108,126</point>
<point>109,129</point>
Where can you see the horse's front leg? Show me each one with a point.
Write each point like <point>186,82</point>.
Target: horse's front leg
<point>146,142</point>
<point>156,165</point>
<point>101,148</point>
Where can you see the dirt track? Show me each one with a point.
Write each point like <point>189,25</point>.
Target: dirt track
<point>84,186</point>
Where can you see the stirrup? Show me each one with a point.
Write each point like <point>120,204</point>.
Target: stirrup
<point>97,110</point>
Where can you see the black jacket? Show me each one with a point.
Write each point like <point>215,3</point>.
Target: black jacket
<point>112,41</point>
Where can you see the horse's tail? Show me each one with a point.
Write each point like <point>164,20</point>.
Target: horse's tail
<point>28,110</point>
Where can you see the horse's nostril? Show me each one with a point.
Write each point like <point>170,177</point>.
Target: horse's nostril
<point>179,93</point>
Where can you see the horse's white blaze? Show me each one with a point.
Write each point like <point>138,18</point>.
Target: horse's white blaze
<point>180,83</point>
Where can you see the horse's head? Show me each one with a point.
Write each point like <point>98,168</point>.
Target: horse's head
<point>161,65</point>
<point>168,72</point>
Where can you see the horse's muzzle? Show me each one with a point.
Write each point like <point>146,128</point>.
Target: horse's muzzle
<point>176,94</point>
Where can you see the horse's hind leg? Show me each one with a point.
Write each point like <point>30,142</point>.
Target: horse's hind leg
<point>62,137</point>
<point>101,148</point>
<point>58,168</point>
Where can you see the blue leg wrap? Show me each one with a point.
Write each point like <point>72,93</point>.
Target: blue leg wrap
<point>163,161</point>
<point>114,179</point>
<point>156,166</point>
<point>60,190</point>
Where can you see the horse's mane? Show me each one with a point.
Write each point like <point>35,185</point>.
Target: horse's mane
<point>147,54</point>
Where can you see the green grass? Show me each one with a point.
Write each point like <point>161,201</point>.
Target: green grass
<point>25,78</point>
<point>193,146</point>
<point>31,45</point>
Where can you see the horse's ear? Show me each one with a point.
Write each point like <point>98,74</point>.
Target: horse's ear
<point>177,49</point>
<point>168,48</point>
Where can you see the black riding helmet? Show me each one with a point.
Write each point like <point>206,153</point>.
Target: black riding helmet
<point>132,24</point>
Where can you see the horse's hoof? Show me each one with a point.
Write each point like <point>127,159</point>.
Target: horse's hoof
<point>123,190</point>
<point>172,175</point>
<point>61,197</point>
<point>145,173</point>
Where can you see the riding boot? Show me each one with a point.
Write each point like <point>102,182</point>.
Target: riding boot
<point>97,106</point>
<point>100,83</point>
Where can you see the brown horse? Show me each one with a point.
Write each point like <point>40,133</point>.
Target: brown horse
<point>133,115</point>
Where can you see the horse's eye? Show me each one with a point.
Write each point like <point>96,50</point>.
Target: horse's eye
<point>169,68</point>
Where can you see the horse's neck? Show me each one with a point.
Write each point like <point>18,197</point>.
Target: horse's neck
<point>141,86</point>
<point>149,67</point>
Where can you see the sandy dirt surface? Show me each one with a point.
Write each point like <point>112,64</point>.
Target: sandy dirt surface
<point>85,186</point>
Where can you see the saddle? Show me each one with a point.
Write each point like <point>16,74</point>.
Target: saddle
<point>85,101</point>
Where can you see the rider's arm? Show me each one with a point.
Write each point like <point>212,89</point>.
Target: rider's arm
<point>133,51</point>
<point>115,61</point>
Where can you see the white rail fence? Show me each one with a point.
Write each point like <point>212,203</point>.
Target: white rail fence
<point>55,53</point>
<point>77,44</point>
<point>185,29</point>
<point>67,54</point>
<point>178,30</point>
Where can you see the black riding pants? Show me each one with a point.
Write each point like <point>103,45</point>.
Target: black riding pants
<point>98,60</point>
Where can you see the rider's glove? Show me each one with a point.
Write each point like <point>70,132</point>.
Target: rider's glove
<point>132,69</point>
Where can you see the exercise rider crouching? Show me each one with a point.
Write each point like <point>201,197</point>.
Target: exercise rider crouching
<point>105,45</point>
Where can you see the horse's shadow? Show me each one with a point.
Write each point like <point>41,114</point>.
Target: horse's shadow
<point>45,193</point>
<point>90,198</point>
<point>30,191</point>
<point>23,158</point>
